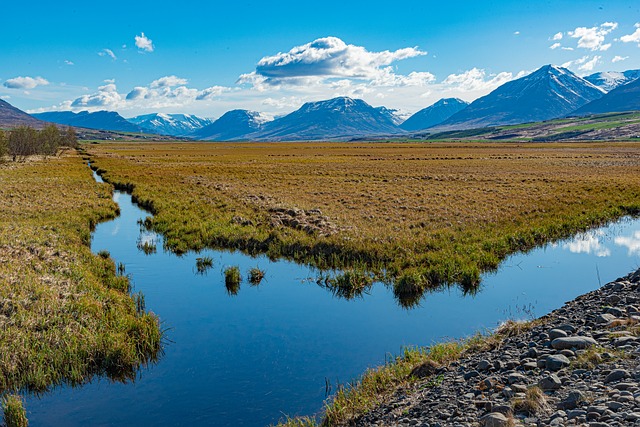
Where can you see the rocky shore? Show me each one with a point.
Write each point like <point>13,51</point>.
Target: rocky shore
<point>576,366</point>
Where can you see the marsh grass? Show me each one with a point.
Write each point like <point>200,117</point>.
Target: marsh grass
<point>65,313</point>
<point>424,215</point>
<point>232,279</point>
<point>349,284</point>
<point>535,402</point>
<point>203,264</point>
<point>14,414</point>
<point>255,276</point>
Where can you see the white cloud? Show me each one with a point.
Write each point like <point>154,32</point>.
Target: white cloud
<point>632,243</point>
<point>557,36</point>
<point>590,65</point>
<point>567,48</point>
<point>477,79</point>
<point>619,58</point>
<point>168,81</point>
<point>211,93</point>
<point>107,97</point>
<point>588,243</point>
<point>109,53</point>
<point>144,43</point>
<point>325,58</point>
<point>516,33</point>
<point>555,46</point>
<point>66,61</point>
<point>575,62</point>
<point>25,82</point>
<point>634,37</point>
<point>283,102</point>
<point>593,38</point>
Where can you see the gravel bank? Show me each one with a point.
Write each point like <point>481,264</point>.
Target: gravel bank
<point>576,366</point>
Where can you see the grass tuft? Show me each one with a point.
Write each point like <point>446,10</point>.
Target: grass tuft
<point>14,413</point>
<point>232,279</point>
<point>255,276</point>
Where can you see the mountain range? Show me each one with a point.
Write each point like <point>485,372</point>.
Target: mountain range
<point>101,120</point>
<point>547,93</point>
<point>609,80</point>
<point>170,124</point>
<point>623,98</point>
<point>233,125</point>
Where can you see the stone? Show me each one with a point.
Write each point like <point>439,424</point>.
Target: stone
<point>556,362</point>
<point>568,343</point>
<point>557,333</point>
<point>616,375</point>
<point>572,400</point>
<point>550,382</point>
<point>484,365</point>
<point>494,419</point>
<point>575,413</point>
<point>605,318</point>
<point>470,374</point>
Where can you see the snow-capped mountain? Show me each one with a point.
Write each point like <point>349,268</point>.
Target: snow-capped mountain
<point>337,118</point>
<point>233,125</point>
<point>396,116</point>
<point>434,114</point>
<point>547,93</point>
<point>170,124</point>
<point>622,98</point>
<point>609,80</point>
<point>101,120</point>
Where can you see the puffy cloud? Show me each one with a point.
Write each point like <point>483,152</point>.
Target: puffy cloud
<point>557,36</point>
<point>107,97</point>
<point>619,58</point>
<point>109,53</point>
<point>588,243</point>
<point>327,57</point>
<point>168,81</point>
<point>590,65</point>
<point>25,82</point>
<point>211,93</point>
<point>144,43</point>
<point>632,243</point>
<point>593,38</point>
<point>66,61</point>
<point>476,80</point>
<point>516,33</point>
<point>632,38</point>
<point>555,46</point>
<point>576,62</point>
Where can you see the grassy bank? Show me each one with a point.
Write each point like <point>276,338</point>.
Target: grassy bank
<point>65,314</point>
<point>414,364</point>
<point>423,214</point>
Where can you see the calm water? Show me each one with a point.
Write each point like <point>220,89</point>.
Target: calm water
<point>246,360</point>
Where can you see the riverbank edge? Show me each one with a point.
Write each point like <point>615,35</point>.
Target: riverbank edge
<point>411,389</point>
<point>360,265</point>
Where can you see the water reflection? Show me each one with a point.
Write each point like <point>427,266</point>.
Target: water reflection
<point>632,243</point>
<point>600,242</point>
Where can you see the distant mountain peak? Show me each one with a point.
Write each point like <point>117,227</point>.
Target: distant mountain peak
<point>101,120</point>
<point>434,114</point>
<point>547,93</point>
<point>170,124</point>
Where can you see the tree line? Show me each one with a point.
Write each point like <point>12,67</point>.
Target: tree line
<point>25,141</point>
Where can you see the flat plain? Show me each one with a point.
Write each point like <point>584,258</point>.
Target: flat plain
<point>417,215</point>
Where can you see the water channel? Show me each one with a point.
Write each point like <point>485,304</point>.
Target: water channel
<point>250,358</point>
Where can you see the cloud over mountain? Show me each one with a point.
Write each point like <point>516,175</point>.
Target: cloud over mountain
<point>330,57</point>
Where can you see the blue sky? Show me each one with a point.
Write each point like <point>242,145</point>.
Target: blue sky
<point>208,57</point>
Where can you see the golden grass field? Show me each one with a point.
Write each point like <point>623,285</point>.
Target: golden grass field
<point>420,214</point>
<point>65,315</point>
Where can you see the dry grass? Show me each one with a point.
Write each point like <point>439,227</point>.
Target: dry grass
<point>535,402</point>
<point>65,315</point>
<point>440,212</point>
